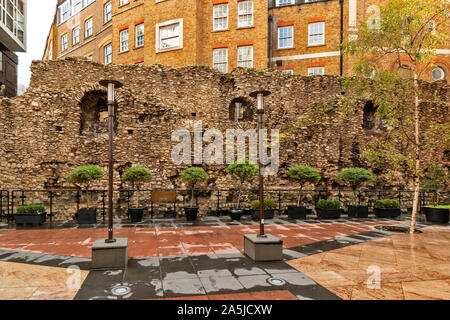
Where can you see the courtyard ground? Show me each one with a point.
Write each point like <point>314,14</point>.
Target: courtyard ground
<point>175,259</point>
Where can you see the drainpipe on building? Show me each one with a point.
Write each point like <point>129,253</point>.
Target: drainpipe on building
<point>341,62</point>
<point>269,63</point>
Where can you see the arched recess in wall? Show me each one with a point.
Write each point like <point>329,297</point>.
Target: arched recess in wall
<point>94,113</point>
<point>240,109</point>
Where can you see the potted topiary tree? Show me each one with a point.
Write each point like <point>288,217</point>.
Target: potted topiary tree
<point>433,181</point>
<point>82,177</point>
<point>192,176</point>
<point>387,208</point>
<point>269,205</point>
<point>356,177</point>
<point>328,209</point>
<point>136,176</point>
<point>31,214</point>
<point>243,171</point>
<point>302,174</point>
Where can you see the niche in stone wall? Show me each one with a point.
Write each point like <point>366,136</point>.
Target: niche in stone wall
<point>370,120</point>
<point>241,109</point>
<point>94,113</point>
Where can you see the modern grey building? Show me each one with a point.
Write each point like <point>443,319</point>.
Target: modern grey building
<point>12,39</point>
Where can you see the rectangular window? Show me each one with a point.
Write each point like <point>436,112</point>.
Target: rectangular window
<point>220,17</point>
<point>245,14</point>
<point>123,2</point>
<point>77,5</point>
<point>107,10</point>
<point>50,50</point>
<point>108,53</point>
<point>288,71</point>
<point>286,37</point>
<point>220,59</point>
<point>64,11</point>
<point>88,2</point>
<point>316,33</point>
<point>245,57</point>
<point>281,3</point>
<point>76,35</point>
<point>169,35</point>
<point>64,42</point>
<point>124,40</point>
<point>139,35</point>
<point>88,28</point>
<point>316,71</point>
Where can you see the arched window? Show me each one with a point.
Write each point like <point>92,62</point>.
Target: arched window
<point>438,73</point>
<point>241,109</point>
<point>94,113</point>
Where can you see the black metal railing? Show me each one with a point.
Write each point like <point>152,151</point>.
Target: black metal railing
<point>63,203</point>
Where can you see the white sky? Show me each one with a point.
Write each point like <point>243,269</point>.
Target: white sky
<point>40,17</point>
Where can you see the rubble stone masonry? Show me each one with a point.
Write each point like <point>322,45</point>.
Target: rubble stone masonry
<point>59,123</point>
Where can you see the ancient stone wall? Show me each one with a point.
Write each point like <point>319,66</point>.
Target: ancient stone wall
<point>59,123</point>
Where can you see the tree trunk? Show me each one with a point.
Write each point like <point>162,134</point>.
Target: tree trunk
<point>192,197</point>
<point>87,198</point>
<point>416,156</point>
<point>137,196</point>
<point>299,197</point>
<point>239,196</point>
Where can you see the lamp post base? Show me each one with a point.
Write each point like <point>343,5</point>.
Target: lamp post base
<point>110,255</point>
<point>263,248</point>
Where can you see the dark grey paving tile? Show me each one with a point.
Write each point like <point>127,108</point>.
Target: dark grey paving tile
<point>143,269</point>
<point>177,268</point>
<point>255,282</point>
<point>313,292</point>
<point>294,279</point>
<point>222,285</point>
<point>182,287</point>
<point>143,290</point>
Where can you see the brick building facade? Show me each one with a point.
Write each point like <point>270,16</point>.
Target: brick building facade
<point>294,36</point>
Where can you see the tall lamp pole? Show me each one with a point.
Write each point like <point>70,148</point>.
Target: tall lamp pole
<point>259,95</point>
<point>111,85</point>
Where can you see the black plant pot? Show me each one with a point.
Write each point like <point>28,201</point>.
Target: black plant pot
<point>358,211</point>
<point>440,215</point>
<point>268,214</point>
<point>295,212</point>
<point>135,214</point>
<point>30,218</point>
<point>387,212</point>
<point>329,213</point>
<point>86,216</point>
<point>236,213</point>
<point>191,213</point>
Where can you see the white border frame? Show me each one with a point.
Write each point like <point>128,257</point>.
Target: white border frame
<point>157,38</point>
<point>278,37</point>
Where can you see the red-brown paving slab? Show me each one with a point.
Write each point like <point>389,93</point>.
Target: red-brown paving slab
<point>174,241</point>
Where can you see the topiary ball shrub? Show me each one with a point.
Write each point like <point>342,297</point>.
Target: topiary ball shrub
<point>328,204</point>
<point>387,203</point>
<point>355,176</point>
<point>269,204</point>
<point>192,176</point>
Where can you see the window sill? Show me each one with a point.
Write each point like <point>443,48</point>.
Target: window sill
<point>88,37</point>
<point>122,52</point>
<point>287,48</point>
<point>247,27</point>
<point>168,50</point>
<point>316,45</point>
<point>140,47</point>
<point>220,30</point>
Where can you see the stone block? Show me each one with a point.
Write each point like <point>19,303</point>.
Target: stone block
<point>266,248</point>
<point>112,255</point>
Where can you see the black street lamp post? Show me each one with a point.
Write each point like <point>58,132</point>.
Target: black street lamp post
<point>111,85</point>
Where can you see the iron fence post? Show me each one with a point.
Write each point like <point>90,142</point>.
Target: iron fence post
<point>50,197</point>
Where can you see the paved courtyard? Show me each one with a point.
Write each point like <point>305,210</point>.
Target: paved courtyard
<point>174,259</point>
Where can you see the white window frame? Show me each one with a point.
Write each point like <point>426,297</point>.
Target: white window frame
<point>124,40</point>
<point>88,2</point>
<point>282,3</point>
<point>240,62</point>
<point>241,14</point>
<point>288,71</point>
<point>107,15</point>
<point>314,71</point>
<point>123,2</point>
<point>77,38</point>
<point>108,58</point>
<point>50,50</point>
<point>217,64</point>
<point>138,43</point>
<point>310,25</point>
<point>64,42</point>
<point>292,38</point>
<point>77,6</point>
<point>86,28</point>
<point>217,6</point>
<point>158,38</point>
<point>61,13</point>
